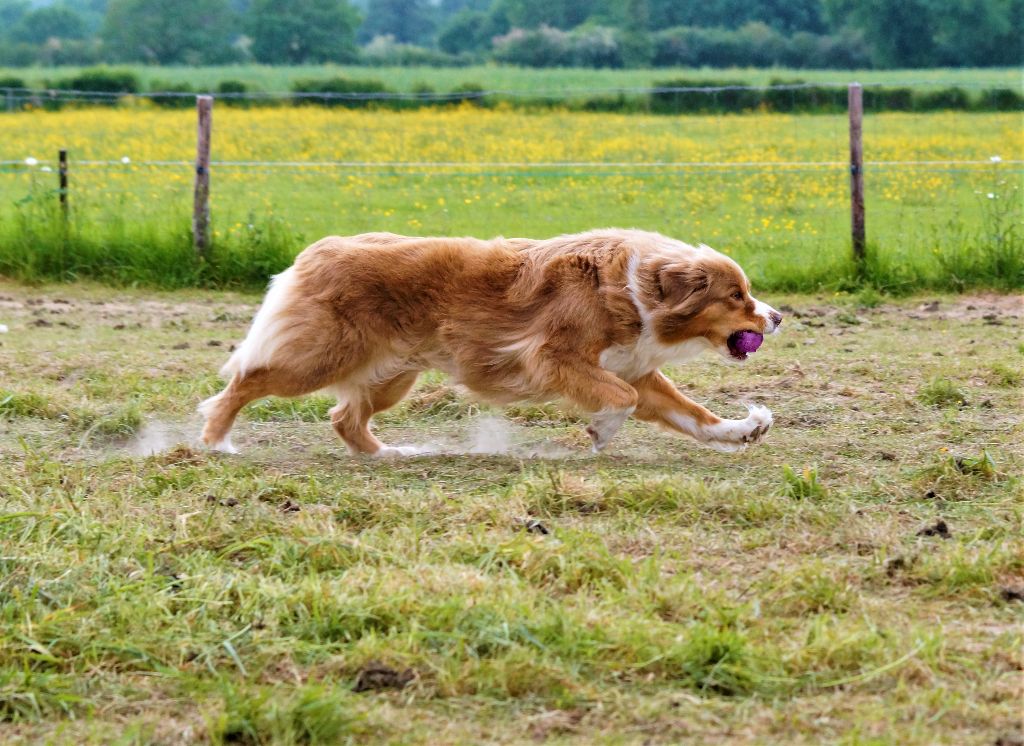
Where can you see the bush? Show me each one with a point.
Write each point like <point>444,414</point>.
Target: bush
<point>542,47</point>
<point>338,86</point>
<point>946,98</point>
<point>693,102</point>
<point>385,51</point>
<point>1000,99</point>
<point>468,93</point>
<point>888,99</point>
<point>100,79</point>
<point>232,87</point>
<point>756,45</point>
<point>172,102</point>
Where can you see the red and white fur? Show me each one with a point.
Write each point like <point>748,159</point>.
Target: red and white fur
<point>589,318</point>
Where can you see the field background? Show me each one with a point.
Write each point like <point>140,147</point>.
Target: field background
<point>802,592</point>
<point>938,224</point>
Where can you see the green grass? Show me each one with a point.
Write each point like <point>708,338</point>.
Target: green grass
<point>678,594</point>
<point>496,77</point>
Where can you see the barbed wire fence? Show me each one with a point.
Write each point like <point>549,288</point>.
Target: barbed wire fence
<point>842,169</point>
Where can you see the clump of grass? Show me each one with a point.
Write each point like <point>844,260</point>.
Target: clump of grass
<point>1003,375</point>
<point>812,589</point>
<point>714,659</point>
<point>981,465</point>
<point>803,485</point>
<point>28,404</point>
<point>941,392</point>
<point>439,400</point>
<point>311,715</point>
<point>869,297</point>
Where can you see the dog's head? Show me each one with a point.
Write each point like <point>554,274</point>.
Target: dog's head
<point>705,294</point>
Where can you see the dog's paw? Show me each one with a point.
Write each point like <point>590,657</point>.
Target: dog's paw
<point>397,451</point>
<point>736,435</point>
<point>223,446</point>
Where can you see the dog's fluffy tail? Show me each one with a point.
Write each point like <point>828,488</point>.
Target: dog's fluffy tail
<point>267,331</point>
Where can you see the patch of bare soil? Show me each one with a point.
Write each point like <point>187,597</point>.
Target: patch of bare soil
<point>374,677</point>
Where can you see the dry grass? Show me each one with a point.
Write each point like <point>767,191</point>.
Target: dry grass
<point>658,594</point>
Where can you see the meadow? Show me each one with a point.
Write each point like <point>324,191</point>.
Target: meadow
<point>856,579</point>
<point>942,224</point>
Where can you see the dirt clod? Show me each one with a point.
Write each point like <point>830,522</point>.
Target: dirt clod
<point>41,323</point>
<point>894,565</point>
<point>1010,738</point>
<point>374,677</point>
<point>290,506</point>
<point>939,528</point>
<point>930,495</point>
<point>181,346</point>
<point>1012,593</point>
<point>534,526</point>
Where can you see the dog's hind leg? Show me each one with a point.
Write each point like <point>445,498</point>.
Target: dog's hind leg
<point>220,410</point>
<point>351,417</point>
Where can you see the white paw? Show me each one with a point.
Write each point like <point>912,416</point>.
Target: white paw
<point>396,451</point>
<point>604,426</point>
<point>224,446</point>
<point>736,435</point>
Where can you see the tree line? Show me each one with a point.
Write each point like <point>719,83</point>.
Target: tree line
<point>537,33</point>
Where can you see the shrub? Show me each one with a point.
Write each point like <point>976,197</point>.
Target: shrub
<point>232,87</point>
<point>468,93</point>
<point>542,47</point>
<point>679,102</point>
<point>385,51</point>
<point>172,102</point>
<point>100,79</point>
<point>946,98</point>
<point>1001,99</point>
<point>888,99</point>
<point>338,86</point>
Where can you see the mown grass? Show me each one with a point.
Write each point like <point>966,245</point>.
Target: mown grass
<point>657,594</point>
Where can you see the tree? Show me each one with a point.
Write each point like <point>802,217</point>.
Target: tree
<point>297,31</point>
<point>409,21</point>
<point>11,12</point>
<point>169,32</point>
<point>49,22</point>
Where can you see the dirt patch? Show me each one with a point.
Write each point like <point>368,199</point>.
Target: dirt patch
<point>374,677</point>
<point>939,528</point>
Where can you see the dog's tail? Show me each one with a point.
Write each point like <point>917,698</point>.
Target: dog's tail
<point>268,329</point>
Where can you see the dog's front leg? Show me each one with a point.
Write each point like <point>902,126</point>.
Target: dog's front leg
<point>660,402</point>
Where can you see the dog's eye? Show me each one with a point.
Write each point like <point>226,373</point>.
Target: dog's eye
<point>738,295</point>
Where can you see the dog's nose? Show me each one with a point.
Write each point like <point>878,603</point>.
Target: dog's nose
<point>776,318</point>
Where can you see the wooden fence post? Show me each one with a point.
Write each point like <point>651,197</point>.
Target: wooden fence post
<point>62,170</point>
<point>201,202</point>
<point>855,101</point>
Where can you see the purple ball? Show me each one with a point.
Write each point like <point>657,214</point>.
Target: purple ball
<point>748,342</point>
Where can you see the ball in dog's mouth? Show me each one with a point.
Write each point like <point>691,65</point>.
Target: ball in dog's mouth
<point>742,344</point>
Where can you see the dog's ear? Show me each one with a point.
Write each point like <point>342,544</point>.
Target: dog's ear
<point>684,286</point>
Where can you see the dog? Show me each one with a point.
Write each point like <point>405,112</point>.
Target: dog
<point>588,318</point>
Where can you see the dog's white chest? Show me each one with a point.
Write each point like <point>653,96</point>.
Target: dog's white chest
<point>646,354</point>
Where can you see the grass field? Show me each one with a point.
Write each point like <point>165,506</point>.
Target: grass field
<point>945,225</point>
<point>857,579</point>
<point>496,77</point>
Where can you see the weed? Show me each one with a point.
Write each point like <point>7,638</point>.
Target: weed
<point>941,392</point>
<point>803,485</point>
